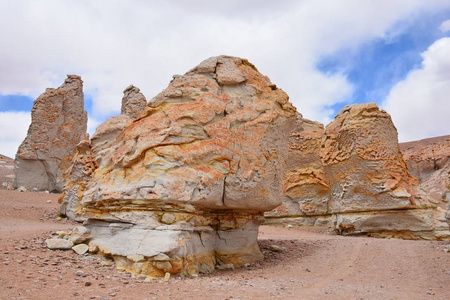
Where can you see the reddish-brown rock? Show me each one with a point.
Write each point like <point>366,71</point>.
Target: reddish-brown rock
<point>184,185</point>
<point>58,124</point>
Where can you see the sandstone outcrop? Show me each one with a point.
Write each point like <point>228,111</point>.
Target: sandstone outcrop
<point>429,161</point>
<point>365,186</point>
<point>133,102</point>
<point>59,122</point>
<point>183,187</point>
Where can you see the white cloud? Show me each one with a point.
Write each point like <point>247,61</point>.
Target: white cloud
<point>11,138</point>
<point>420,104</point>
<point>445,26</point>
<point>112,44</point>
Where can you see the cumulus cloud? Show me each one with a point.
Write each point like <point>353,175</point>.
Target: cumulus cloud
<point>420,104</point>
<point>14,135</point>
<point>112,44</point>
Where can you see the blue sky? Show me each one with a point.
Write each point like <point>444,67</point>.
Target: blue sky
<point>324,54</point>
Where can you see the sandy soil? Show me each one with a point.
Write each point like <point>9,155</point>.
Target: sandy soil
<point>316,265</point>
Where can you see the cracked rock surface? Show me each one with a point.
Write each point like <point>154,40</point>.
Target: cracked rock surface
<point>190,177</point>
<point>58,123</point>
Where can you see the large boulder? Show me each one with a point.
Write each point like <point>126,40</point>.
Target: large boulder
<point>183,187</point>
<point>361,181</point>
<point>58,123</point>
<point>429,161</point>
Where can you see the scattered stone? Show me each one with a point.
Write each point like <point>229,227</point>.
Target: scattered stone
<point>276,248</point>
<point>80,234</point>
<point>58,244</point>
<point>49,201</point>
<point>80,248</point>
<point>166,277</point>
<point>79,273</point>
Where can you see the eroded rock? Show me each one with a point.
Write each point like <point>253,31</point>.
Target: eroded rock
<point>58,124</point>
<point>356,180</point>
<point>429,161</point>
<point>185,184</point>
<point>133,102</point>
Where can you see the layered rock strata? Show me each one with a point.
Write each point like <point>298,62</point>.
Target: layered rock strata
<point>364,183</point>
<point>429,161</point>
<point>183,187</point>
<point>58,123</point>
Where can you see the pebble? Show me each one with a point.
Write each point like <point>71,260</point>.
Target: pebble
<point>80,249</point>
<point>58,244</point>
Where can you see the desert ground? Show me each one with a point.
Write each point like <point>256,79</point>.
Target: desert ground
<point>316,265</point>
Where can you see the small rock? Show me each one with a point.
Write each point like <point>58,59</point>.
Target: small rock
<point>446,250</point>
<point>87,283</point>
<point>166,277</point>
<point>80,248</point>
<point>22,189</point>
<point>49,201</point>
<point>79,273</point>
<point>276,248</point>
<point>136,257</point>
<point>58,244</point>
<point>225,267</point>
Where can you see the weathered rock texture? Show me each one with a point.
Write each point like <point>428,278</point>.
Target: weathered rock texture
<point>58,123</point>
<point>6,172</point>
<point>429,161</point>
<point>182,188</point>
<point>133,102</point>
<point>353,177</point>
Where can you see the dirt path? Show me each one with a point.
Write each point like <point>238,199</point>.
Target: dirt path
<point>316,265</point>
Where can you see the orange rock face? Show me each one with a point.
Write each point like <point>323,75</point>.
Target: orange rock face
<point>193,173</point>
<point>360,180</point>
<point>58,123</point>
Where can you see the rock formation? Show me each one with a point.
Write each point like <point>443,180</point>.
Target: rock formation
<point>58,123</point>
<point>90,151</point>
<point>6,172</point>
<point>182,188</point>
<point>429,161</point>
<point>446,198</point>
<point>305,188</point>
<point>133,102</point>
<point>361,181</point>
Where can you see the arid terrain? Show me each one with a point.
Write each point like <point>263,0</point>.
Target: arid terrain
<point>316,265</point>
